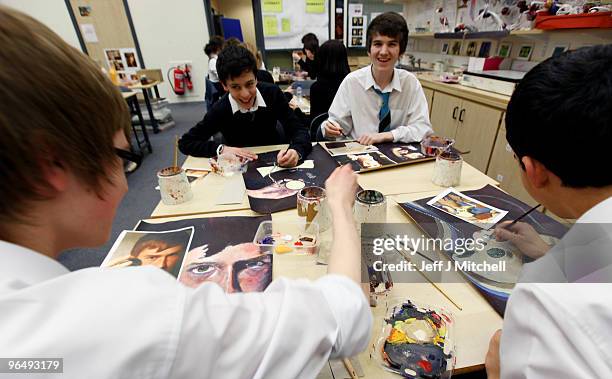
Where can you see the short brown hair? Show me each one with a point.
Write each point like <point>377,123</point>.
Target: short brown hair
<point>389,24</point>
<point>55,100</point>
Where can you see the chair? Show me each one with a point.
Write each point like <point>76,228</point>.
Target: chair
<point>315,127</point>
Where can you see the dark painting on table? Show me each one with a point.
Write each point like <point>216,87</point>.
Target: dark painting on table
<point>222,251</point>
<point>386,155</point>
<point>495,286</point>
<point>278,190</point>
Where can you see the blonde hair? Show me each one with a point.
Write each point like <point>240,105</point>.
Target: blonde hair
<point>55,103</point>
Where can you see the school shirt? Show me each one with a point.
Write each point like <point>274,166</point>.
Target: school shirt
<point>558,321</point>
<point>240,128</point>
<point>356,106</point>
<point>139,322</point>
<point>212,69</point>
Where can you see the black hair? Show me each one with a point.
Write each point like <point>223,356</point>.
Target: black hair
<point>311,42</point>
<point>561,115</point>
<point>214,45</point>
<point>333,61</point>
<point>233,61</point>
<point>389,24</point>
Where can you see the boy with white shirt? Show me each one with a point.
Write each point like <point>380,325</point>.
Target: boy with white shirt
<point>61,181</point>
<point>380,103</point>
<point>559,317</point>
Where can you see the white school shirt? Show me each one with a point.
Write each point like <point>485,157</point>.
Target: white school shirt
<point>560,330</point>
<point>356,106</point>
<point>212,69</point>
<point>139,322</point>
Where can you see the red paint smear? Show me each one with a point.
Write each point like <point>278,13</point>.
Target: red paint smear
<point>425,365</point>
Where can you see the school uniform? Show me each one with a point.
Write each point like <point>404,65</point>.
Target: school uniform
<point>139,322</point>
<point>559,318</point>
<point>310,66</point>
<point>255,127</point>
<point>362,107</point>
<point>322,93</point>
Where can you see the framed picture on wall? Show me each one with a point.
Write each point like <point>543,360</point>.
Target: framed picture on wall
<point>444,48</point>
<point>504,49</point>
<point>485,49</point>
<point>524,52</point>
<point>471,49</point>
<point>558,50</point>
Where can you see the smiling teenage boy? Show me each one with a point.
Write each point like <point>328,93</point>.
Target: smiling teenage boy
<point>380,103</point>
<point>247,115</point>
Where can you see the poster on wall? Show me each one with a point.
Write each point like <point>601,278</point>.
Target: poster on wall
<point>357,23</point>
<point>284,22</point>
<point>124,61</point>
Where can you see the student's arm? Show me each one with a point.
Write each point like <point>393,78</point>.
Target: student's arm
<point>417,125</point>
<point>339,113</point>
<point>196,141</point>
<point>295,129</point>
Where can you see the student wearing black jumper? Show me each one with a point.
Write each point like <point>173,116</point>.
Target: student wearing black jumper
<point>247,115</point>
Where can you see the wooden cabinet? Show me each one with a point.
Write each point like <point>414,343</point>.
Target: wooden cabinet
<point>429,94</point>
<point>506,169</point>
<point>472,125</point>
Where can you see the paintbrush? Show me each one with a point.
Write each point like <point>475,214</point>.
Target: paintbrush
<point>175,151</point>
<point>522,216</point>
<point>349,367</point>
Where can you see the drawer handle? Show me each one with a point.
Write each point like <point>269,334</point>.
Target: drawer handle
<point>455,113</point>
<point>461,115</point>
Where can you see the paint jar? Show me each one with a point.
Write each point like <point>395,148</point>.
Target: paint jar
<point>228,164</point>
<point>434,145</point>
<point>312,206</point>
<point>174,186</point>
<point>447,169</point>
<point>370,207</point>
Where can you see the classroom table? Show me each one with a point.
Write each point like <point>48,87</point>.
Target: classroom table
<point>145,93</point>
<point>475,319</point>
<point>132,101</point>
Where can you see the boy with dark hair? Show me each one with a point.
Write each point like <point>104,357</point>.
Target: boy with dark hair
<point>380,103</point>
<point>310,50</point>
<point>247,115</point>
<point>61,180</point>
<point>553,329</point>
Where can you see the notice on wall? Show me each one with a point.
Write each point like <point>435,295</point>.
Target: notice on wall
<point>124,61</point>
<point>89,33</point>
<point>315,6</point>
<point>272,6</point>
<point>286,25</point>
<point>270,26</point>
<point>357,24</point>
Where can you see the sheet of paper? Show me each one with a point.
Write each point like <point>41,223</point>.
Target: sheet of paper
<point>89,33</point>
<point>270,25</point>
<point>315,6</point>
<point>465,208</point>
<point>273,6</point>
<point>348,147</point>
<point>233,191</point>
<point>264,171</point>
<point>286,25</point>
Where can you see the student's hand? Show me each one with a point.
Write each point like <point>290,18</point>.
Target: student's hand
<point>341,187</point>
<point>287,158</point>
<point>332,129</point>
<point>240,152</point>
<point>297,55</point>
<point>523,236</point>
<point>492,359</point>
<point>372,138</point>
<point>293,104</point>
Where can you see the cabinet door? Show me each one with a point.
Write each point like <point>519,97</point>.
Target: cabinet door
<point>476,130</point>
<point>429,95</point>
<point>506,170</point>
<point>442,120</point>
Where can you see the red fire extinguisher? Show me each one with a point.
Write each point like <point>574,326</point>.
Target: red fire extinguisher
<point>188,78</point>
<point>178,78</point>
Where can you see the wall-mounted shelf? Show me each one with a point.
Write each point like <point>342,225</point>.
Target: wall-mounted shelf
<point>505,33</point>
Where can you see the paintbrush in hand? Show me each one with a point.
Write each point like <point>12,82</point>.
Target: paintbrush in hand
<point>522,216</point>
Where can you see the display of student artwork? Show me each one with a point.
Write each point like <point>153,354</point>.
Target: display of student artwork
<point>374,157</point>
<point>124,61</point>
<point>164,249</point>
<point>278,190</point>
<point>357,24</point>
<point>416,341</point>
<point>438,222</point>
<point>222,251</point>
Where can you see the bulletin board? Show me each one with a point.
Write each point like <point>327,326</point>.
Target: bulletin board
<point>284,22</point>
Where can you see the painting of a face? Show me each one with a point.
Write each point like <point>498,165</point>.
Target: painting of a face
<point>239,268</point>
<point>279,190</point>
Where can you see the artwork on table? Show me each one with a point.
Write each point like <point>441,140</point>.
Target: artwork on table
<point>278,190</point>
<point>164,249</point>
<point>416,339</point>
<point>524,52</point>
<point>558,50</point>
<point>374,157</point>
<point>467,209</point>
<point>504,49</point>
<point>222,251</point>
<point>485,49</point>
<point>495,285</point>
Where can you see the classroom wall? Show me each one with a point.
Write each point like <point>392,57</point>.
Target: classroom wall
<point>52,13</point>
<point>242,10</point>
<point>163,40</point>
